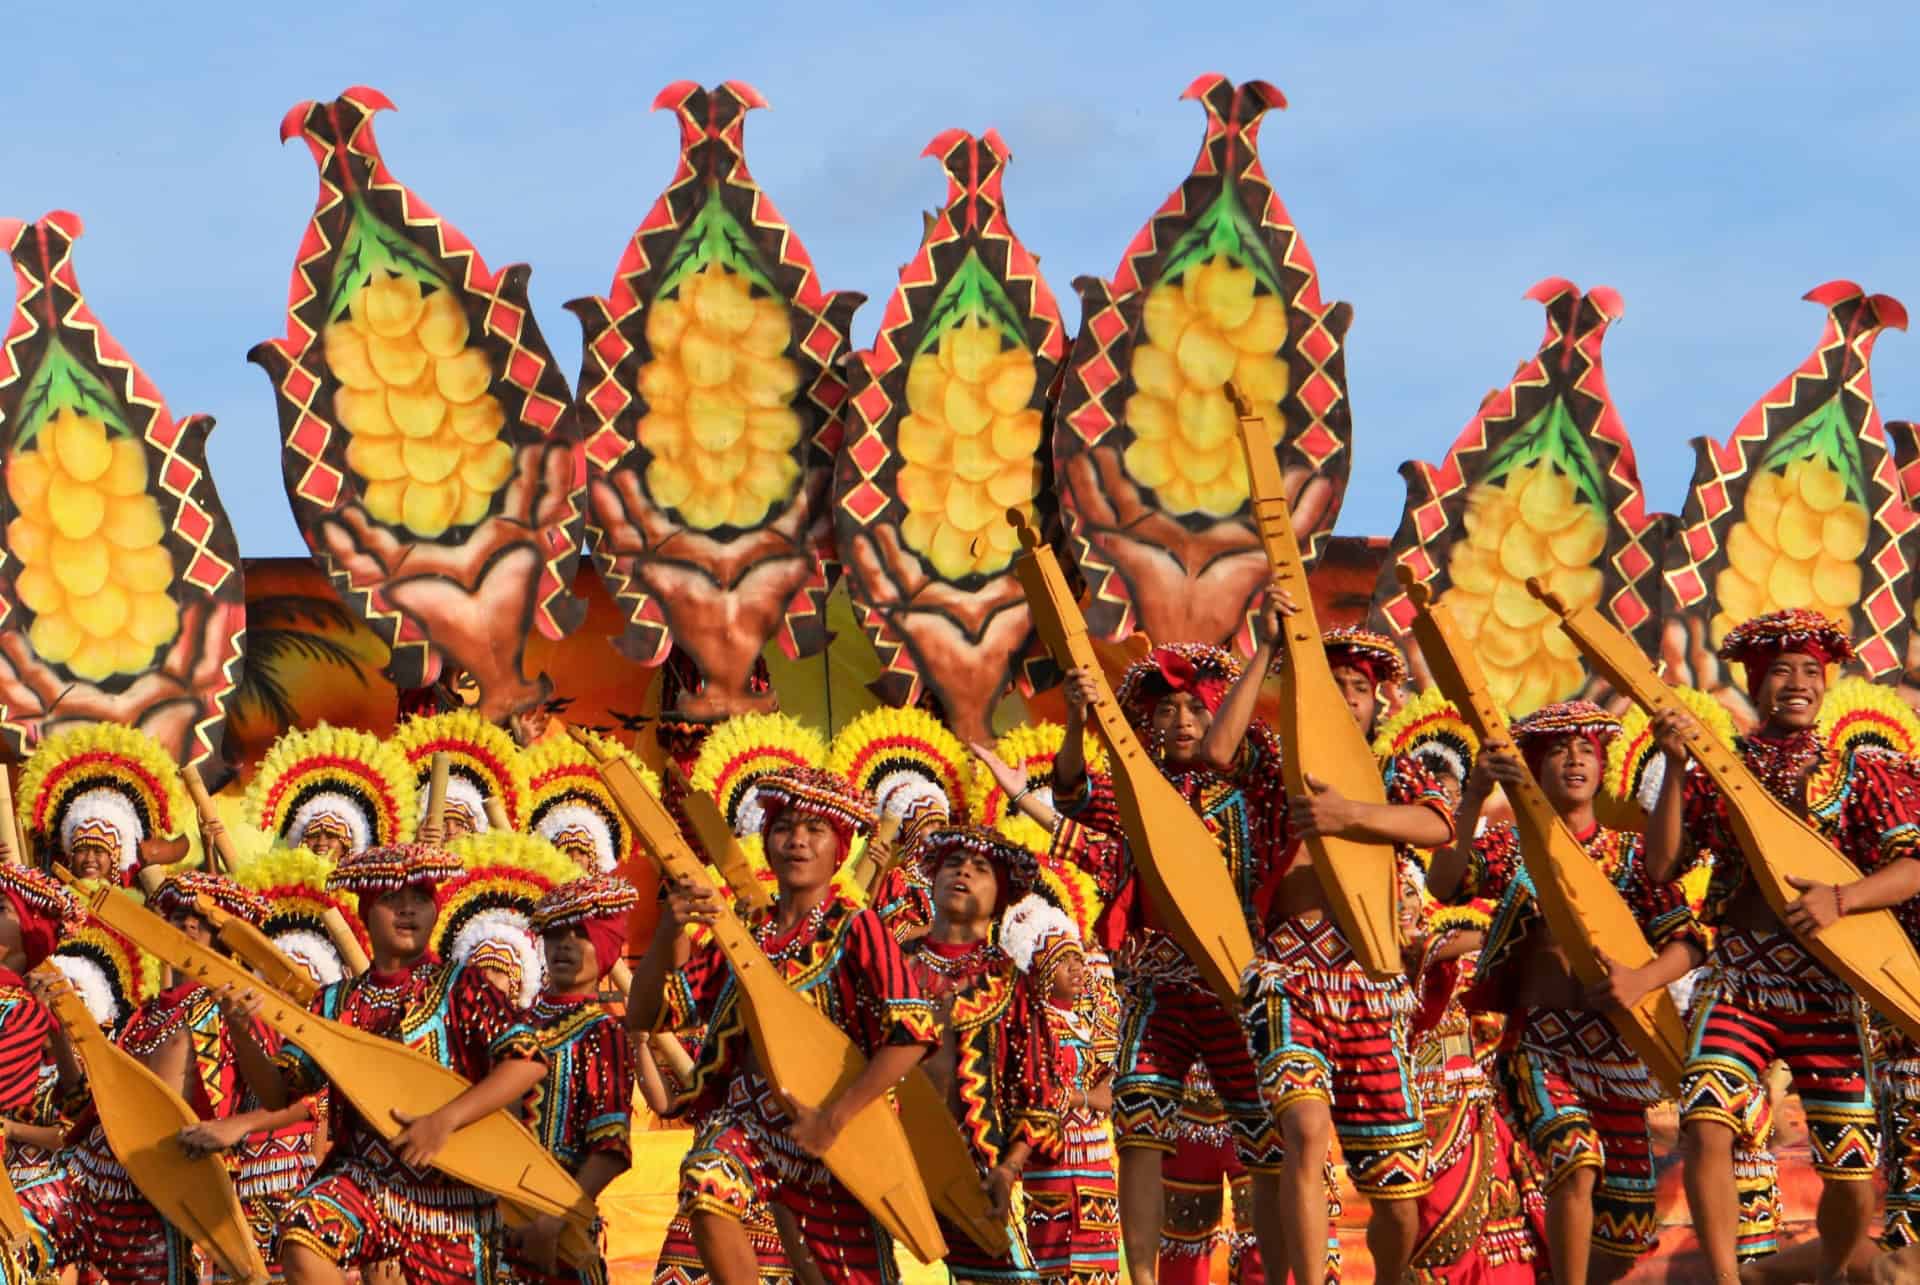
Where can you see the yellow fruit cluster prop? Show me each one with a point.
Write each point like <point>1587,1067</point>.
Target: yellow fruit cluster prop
<point>970,443</point>
<point>1797,544</point>
<point>423,430</point>
<point>720,425</point>
<point>1212,324</point>
<point>93,570</point>
<point>1529,522</point>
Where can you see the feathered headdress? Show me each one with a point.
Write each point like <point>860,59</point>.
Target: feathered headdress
<point>1428,728</point>
<point>111,975</point>
<point>337,781</point>
<point>1635,766</point>
<point>492,900</point>
<point>741,751</point>
<point>482,763</point>
<point>293,883</point>
<point>1029,748</point>
<point>1859,713</point>
<point>906,761</point>
<point>106,783</point>
<point>572,807</point>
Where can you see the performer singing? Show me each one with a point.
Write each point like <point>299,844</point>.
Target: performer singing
<point>582,1111</point>
<point>1580,1093</point>
<point>997,1062</point>
<point>373,1200</point>
<point>757,1145</point>
<point>1330,1040</point>
<point>1762,996</point>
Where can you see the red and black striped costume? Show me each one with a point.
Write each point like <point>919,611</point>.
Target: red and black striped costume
<point>585,1104</point>
<point>26,1094</point>
<point>1761,995</point>
<point>1005,1086</point>
<point>843,958</point>
<point>1578,1091</point>
<point>365,1205</point>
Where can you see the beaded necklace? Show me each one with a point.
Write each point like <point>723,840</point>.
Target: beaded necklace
<point>1783,763</point>
<point>803,935</point>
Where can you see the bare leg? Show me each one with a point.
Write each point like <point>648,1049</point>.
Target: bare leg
<point>798,1255</point>
<point>1842,1219</point>
<point>1143,1209</point>
<point>1301,1199</point>
<point>1392,1228</point>
<point>1707,1167</point>
<point>306,1266</point>
<point>1570,1225</point>
<point>1269,1193</point>
<point>725,1249</point>
<point>1608,1268</point>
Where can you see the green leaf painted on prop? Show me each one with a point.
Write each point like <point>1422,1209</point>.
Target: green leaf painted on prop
<point>1223,228</point>
<point>1551,435</point>
<point>370,245</point>
<point>716,236</point>
<point>1829,434</point>
<point>972,292</point>
<point>62,383</point>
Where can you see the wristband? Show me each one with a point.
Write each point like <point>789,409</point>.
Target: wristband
<point>1013,801</point>
<point>1839,901</point>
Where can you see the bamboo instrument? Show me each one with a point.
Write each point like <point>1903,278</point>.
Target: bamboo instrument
<point>1583,910</point>
<point>1317,728</point>
<point>1869,951</point>
<point>142,1119</point>
<point>10,823</point>
<point>13,1219</point>
<point>497,815</point>
<point>261,955</point>
<point>222,858</point>
<point>150,878</point>
<point>889,1170</point>
<point>380,1076</point>
<point>881,855</point>
<point>723,849</point>
<point>436,816</point>
<point>1192,896</point>
<point>345,942</point>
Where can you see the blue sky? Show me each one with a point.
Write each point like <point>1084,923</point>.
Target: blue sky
<point>1710,161</point>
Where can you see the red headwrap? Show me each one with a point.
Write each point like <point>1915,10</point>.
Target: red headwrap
<point>38,934</point>
<point>1201,669</point>
<point>597,905</point>
<point>608,937</point>
<point>42,906</point>
<point>1758,642</point>
<point>1371,653</point>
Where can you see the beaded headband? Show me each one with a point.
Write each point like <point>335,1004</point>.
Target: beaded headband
<point>1019,869</point>
<point>815,791</point>
<point>1799,630</point>
<point>1372,653</point>
<point>181,890</point>
<point>583,900</point>
<point>1565,718</point>
<point>379,871</point>
<point>42,894</point>
<point>1202,668</point>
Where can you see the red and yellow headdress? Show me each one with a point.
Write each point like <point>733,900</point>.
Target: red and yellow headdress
<point>482,763</point>
<point>1029,748</point>
<point>1373,654</point>
<point>1859,713</point>
<point>182,890</point>
<point>1635,766</point>
<point>1428,728</point>
<point>906,761</point>
<point>742,751</point>
<point>1203,669</point>
<point>104,783</point>
<point>379,871</point>
<point>1536,732</point>
<point>491,902</point>
<point>43,906</point>
<point>111,975</point>
<point>1036,935</point>
<point>1075,892</point>
<point>337,781</point>
<point>1755,643</point>
<point>293,883</point>
<point>571,806</point>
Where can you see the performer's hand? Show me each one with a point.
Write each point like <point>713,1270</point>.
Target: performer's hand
<point>421,1137</point>
<point>1323,810</point>
<point>48,987</point>
<point>211,1136</point>
<point>1275,608</point>
<point>1671,728</point>
<point>539,1241</point>
<point>1621,989</point>
<point>812,1130</point>
<point>689,905</point>
<point>1817,906</point>
<point>1495,764</point>
<point>999,1189</point>
<point>1009,778</point>
<point>431,833</point>
<point>238,1006</point>
<point>1082,691</point>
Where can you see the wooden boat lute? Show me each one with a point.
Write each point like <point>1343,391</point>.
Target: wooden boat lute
<point>379,1076</point>
<point>1317,728</point>
<point>1193,899</point>
<point>723,849</point>
<point>1583,910</point>
<point>142,1118</point>
<point>13,1219</point>
<point>261,955</point>
<point>1869,951</point>
<point>899,1176</point>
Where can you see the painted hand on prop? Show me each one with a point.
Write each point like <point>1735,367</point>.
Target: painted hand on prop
<point>429,444</point>
<point>120,588</point>
<point>710,396</point>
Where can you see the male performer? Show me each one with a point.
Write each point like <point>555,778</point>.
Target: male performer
<point>374,1200</point>
<point>997,1062</point>
<point>1762,995</point>
<point>582,1111</point>
<point>1578,1090</point>
<point>756,1145</point>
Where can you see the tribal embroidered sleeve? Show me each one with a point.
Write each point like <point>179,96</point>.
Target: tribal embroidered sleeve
<point>1032,1075</point>
<point>1102,856</point>
<point>889,1008</point>
<point>903,900</point>
<point>692,990</point>
<point>1092,804</point>
<point>485,1028</point>
<point>25,1025</point>
<point>607,1103</point>
<point>1492,863</point>
<point>1410,783</point>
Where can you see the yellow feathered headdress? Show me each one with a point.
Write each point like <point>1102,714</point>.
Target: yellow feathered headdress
<point>482,763</point>
<point>108,782</point>
<point>330,778</point>
<point>571,806</point>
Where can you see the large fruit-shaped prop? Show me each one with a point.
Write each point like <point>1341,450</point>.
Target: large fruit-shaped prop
<point>121,598</point>
<point>428,437</point>
<point>710,395</point>
<point>1801,507</point>
<point>1541,482</point>
<point>948,410</point>
<point>1217,288</point>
